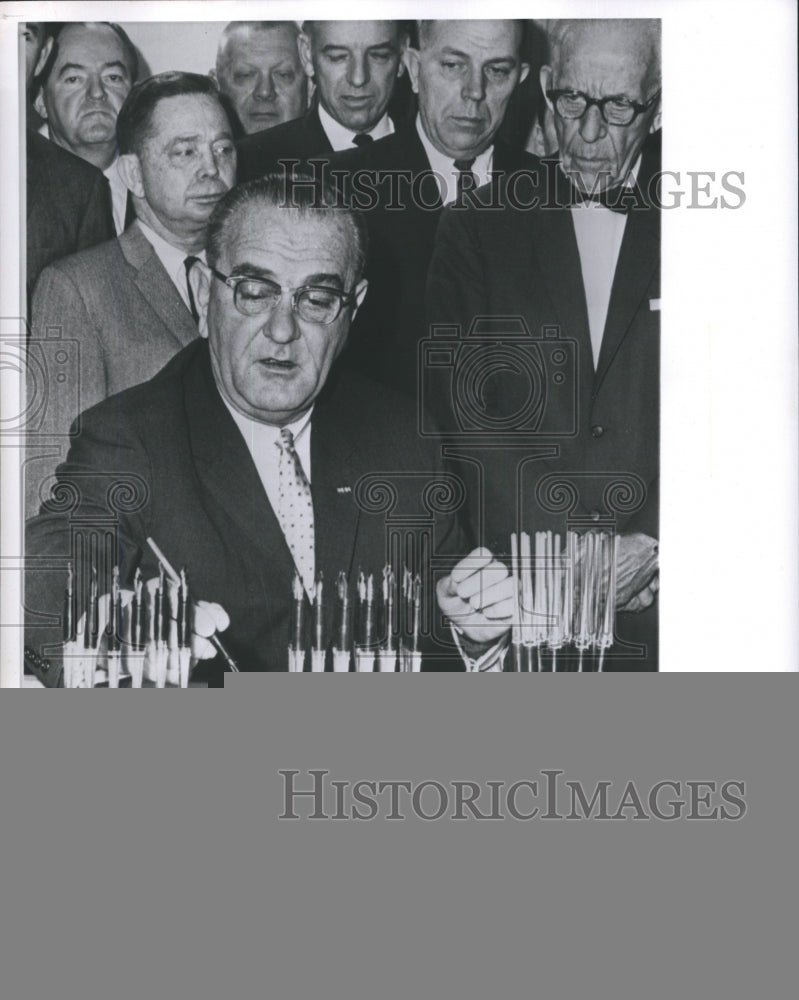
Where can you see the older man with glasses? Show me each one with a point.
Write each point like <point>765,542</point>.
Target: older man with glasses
<point>572,250</point>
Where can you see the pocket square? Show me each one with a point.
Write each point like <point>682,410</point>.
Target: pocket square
<point>654,305</point>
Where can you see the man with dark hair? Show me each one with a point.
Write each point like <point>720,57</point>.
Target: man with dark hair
<point>68,201</point>
<point>464,74</point>
<point>88,76</point>
<point>258,71</point>
<point>573,251</point>
<point>354,66</point>
<point>245,454</point>
<point>129,305</point>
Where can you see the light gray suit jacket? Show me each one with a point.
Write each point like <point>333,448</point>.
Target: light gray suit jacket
<point>102,320</point>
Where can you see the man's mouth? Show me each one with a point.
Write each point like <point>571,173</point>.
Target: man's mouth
<point>212,196</point>
<point>356,100</point>
<point>473,124</point>
<point>277,366</point>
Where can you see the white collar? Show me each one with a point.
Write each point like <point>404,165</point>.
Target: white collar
<point>171,257</point>
<point>253,429</point>
<point>341,137</point>
<point>444,166</point>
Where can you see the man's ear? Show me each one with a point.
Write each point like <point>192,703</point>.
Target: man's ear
<point>200,278</point>
<point>304,49</point>
<point>44,55</point>
<point>545,76</point>
<point>39,105</point>
<point>129,167</point>
<point>411,59</point>
<point>360,292</point>
<point>657,121</point>
<point>525,72</point>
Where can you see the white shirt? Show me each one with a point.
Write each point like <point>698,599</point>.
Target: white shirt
<point>599,233</point>
<point>119,196</point>
<point>173,260</point>
<point>445,170</point>
<point>264,443</point>
<point>341,137</point>
<point>119,193</point>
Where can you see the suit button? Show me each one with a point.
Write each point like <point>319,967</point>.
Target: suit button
<point>595,515</point>
<point>597,431</point>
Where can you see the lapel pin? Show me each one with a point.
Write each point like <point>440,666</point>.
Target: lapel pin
<point>343,489</point>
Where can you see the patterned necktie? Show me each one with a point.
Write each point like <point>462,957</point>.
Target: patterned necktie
<point>295,509</point>
<point>464,168</point>
<point>362,139</point>
<point>189,263</point>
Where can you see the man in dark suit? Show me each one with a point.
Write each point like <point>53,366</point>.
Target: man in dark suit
<point>464,73</point>
<point>250,458</point>
<point>355,66</point>
<point>85,81</point>
<point>68,200</point>
<point>563,428</point>
<point>124,308</point>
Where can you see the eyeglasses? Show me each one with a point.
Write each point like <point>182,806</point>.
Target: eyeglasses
<point>312,303</point>
<point>614,110</point>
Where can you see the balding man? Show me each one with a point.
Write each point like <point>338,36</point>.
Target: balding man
<point>89,75</point>
<point>464,74</point>
<point>354,66</point>
<point>258,70</point>
<point>249,458</point>
<point>570,430</point>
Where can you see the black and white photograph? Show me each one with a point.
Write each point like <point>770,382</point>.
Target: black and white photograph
<point>339,349</point>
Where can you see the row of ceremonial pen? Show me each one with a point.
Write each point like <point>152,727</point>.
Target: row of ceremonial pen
<point>152,642</point>
<point>386,632</point>
<point>565,600</point>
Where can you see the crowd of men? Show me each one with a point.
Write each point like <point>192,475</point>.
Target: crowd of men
<point>329,259</point>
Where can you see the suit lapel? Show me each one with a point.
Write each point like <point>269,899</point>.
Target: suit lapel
<point>639,259</point>
<point>157,287</point>
<point>315,134</point>
<point>333,476</point>
<point>224,464</point>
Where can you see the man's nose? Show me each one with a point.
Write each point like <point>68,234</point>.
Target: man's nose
<point>358,71</point>
<point>209,167</point>
<point>264,88</point>
<point>474,86</point>
<point>95,87</point>
<point>281,323</point>
<point>592,125</point>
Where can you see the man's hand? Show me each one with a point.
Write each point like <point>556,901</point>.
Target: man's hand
<point>208,619</point>
<point>636,572</point>
<point>478,597</point>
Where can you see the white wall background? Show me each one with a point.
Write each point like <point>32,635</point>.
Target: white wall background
<point>189,46</point>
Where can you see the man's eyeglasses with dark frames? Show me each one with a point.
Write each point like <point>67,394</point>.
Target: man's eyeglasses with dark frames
<point>573,104</point>
<point>312,303</point>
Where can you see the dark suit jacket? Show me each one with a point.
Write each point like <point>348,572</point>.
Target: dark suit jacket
<point>185,477</point>
<point>541,414</point>
<point>68,205</point>
<point>402,217</point>
<point>300,139</point>
<point>120,318</point>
